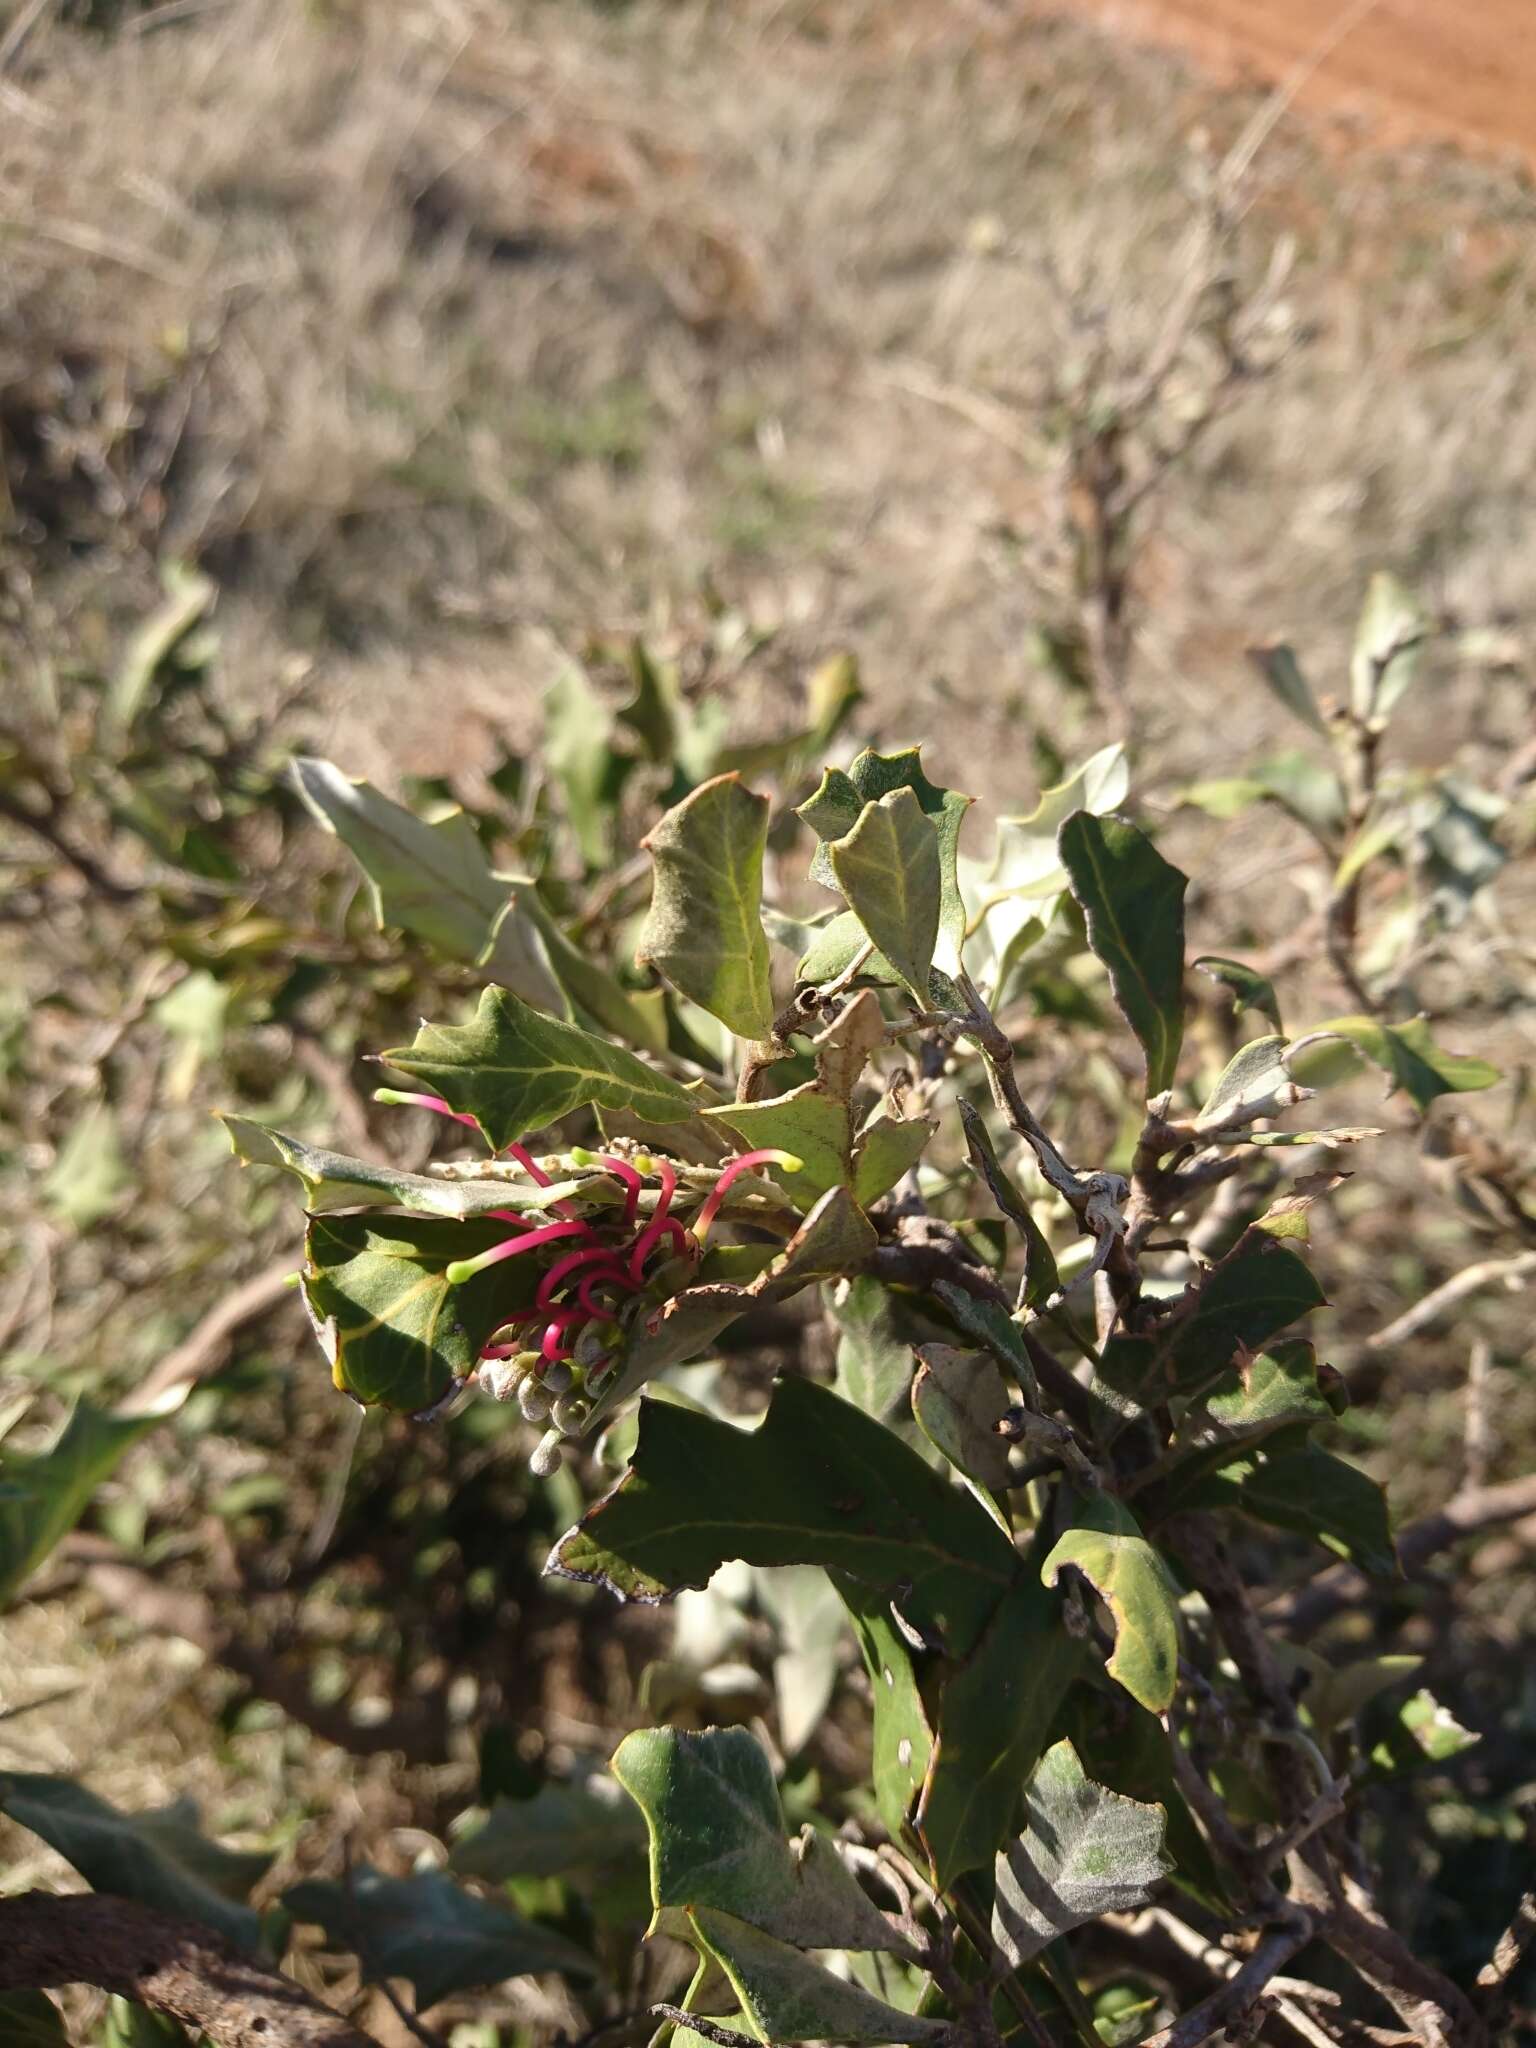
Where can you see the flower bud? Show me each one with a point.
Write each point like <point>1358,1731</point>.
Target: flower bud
<point>533,1401</point>
<point>546,1458</point>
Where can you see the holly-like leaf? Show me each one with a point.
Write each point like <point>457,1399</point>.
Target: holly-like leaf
<point>430,1931</point>
<point>717,1839</point>
<point>1026,866</point>
<point>1133,901</point>
<point>514,1071</point>
<point>331,1180</point>
<point>1276,1388</point>
<point>1127,1749</point>
<point>814,1126</point>
<point>817,1482</point>
<point>1311,1493</point>
<point>832,949</point>
<point>160,1859</point>
<point>704,931</point>
<point>1280,669</point>
<point>44,1494</point>
<point>1106,1545</point>
<point>396,1331</point>
<point>568,1825</point>
<point>1406,1053</point>
<point>1250,990</point>
<point>1244,1302</point>
<point>835,808</point>
<point>888,868</point>
<point>787,1997</point>
<point>887,1150</point>
<point>432,880</point>
<point>1085,1851</point>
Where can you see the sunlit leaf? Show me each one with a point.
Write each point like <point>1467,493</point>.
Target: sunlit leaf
<point>887,1150</point>
<point>837,804</point>
<point>1134,904</point>
<point>1250,990</point>
<point>787,1997</point>
<point>1106,1545</point>
<point>90,1176</point>
<point>43,1494</point>
<point>1406,1053</point>
<point>578,745</point>
<point>332,1180</point>
<point>704,931</point>
<point>1389,644</point>
<point>807,1122</point>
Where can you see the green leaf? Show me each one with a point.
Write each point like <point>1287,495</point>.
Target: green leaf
<point>832,948</point>
<point>578,745</point>
<point>1276,1388</point>
<point>1309,790</point>
<point>135,2026</point>
<point>568,1825</point>
<point>1434,1729</point>
<point>1310,1493</point>
<point>818,1482</point>
<point>1127,1749</point>
<point>430,1931</point>
<point>811,1631</point>
<point>887,1150</point>
<point>994,1718</point>
<point>989,1323</point>
<point>1085,1851</point>
<point>874,1365</point>
<point>1280,669</point>
<point>514,1071</point>
<point>835,808</point>
<point>1389,644</point>
<point>44,1494</point>
<point>958,1400</point>
<point>1106,1545</point>
<point>1133,901</point>
<point>1407,1054</point>
<point>902,1744</point>
<point>432,880</point>
<point>189,597</point>
<point>808,1122</point>
<point>704,931</point>
<point>160,1859</point>
<point>1250,989</point>
<point>331,1180</point>
<point>1026,865</point>
<point>1254,1076</point>
<point>1244,1302</point>
<point>1042,1281</point>
<point>787,1997</point>
<point>599,997</point>
<point>89,1176</point>
<point>717,1839</point>
<point>396,1332</point>
<point>29,2020</point>
<point>888,868</point>
<point>652,712</point>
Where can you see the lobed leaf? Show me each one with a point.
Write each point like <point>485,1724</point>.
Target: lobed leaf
<point>888,868</point>
<point>1407,1054</point>
<point>704,931</point>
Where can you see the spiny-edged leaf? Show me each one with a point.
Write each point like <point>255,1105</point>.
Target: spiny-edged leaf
<point>808,1122</point>
<point>1280,669</point>
<point>1277,1387</point>
<point>578,745</point>
<point>433,880</point>
<point>1133,901</point>
<point>887,1150</point>
<point>717,1839</point>
<point>704,931</point>
<point>1245,1301</point>
<point>332,1180</point>
<point>787,1997</point>
<point>902,1739</point>
<point>843,1049</point>
<point>958,1399</point>
<point>160,1859</point>
<point>994,1719</point>
<point>1311,1493</point>
<point>1106,1545</point>
<point>28,2019</point>
<point>874,1365</point>
<point>514,1070</point>
<point>1389,644</point>
<point>1250,989</point>
<point>568,1825</point>
<point>396,1331</point>
<point>888,868</point>
<point>833,947</point>
<point>834,810</point>
<point>817,1482</point>
<point>1041,1279</point>
<point>43,1494</point>
<point>430,1931</point>
<point>1406,1053</point>
<point>989,1323</point>
<point>1085,1851</point>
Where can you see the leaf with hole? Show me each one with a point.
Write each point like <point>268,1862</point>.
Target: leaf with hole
<point>1106,1545</point>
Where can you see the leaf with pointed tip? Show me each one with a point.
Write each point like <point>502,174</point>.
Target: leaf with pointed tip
<point>717,1839</point>
<point>514,1071</point>
<point>430,1931</point>
<point>396,1331</point>
<point>808,1122</point>
<point>874,1366</point>
<point>888,868</point>
<point>810,1628</point>
<point>1026,865</point>
<point>836,806</point>
<point>597,996</point>
<point>1311,1493</point>
<point>1268,1392</point>
<point>1389,645</point>
<point>787,1997</point>
<point>958,1400</point>
<point>1127,1750</point>
<point>832,950</point>
<point>1041,1278</point>
<point>1250,989</point>
<point>432,880</point>
<point>578,746</point>
<point>1244,1302</point>
<point>158,1858</point>
<point>994,1718</point>
<point>43,1494</point>
<point>817,1482</point>
<point>1407,1054</point>
<point>887,1150</point>
<point>1133,901</point>
<point>1250,1085</point>
<point>332,1180</point>
<point>843,1049</point>
<point>1085,1851</point>
<point>1279,668</point>
<point>568,1825</point>
<point>902,1741</point>
<point>704,931</point>
<point>1106,1545</point>
<point>989,1323</point>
